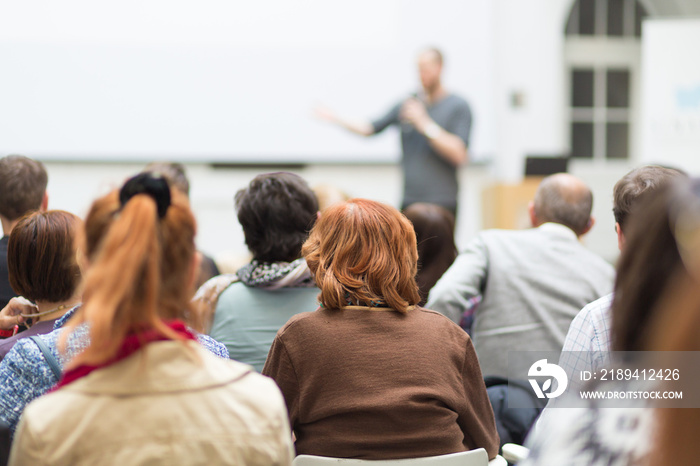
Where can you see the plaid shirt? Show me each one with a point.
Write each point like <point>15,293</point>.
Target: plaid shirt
<point>587,345</point>
<point>586,348</point>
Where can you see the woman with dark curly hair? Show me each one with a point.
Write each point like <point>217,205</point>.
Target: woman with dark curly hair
<point>276,211</point>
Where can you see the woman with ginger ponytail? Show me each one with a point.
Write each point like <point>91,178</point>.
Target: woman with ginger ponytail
<point>370,374</point>
<point>139,386</point>
<point>142,260</point>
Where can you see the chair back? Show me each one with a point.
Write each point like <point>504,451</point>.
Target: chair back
<point>476,457</point>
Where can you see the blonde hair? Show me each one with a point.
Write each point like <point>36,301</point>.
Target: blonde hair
<point>140,269</point>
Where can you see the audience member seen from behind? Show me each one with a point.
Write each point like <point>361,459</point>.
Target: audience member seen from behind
<point>587,343</point>
<point>176,175</point>
<point>434,226</point>
<point>22,189</point>
<point>41,258</point>
<point>532,282</point>
<point>369,374</point>
<point>647,304</point>
<point>26,373</point>
<point>276,211</point>
<point>675,328</point>
<point>142,391</point>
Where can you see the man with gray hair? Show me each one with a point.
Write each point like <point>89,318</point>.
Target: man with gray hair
<point>22,189</point>
<point>531,282</point>
<point>587,344</point>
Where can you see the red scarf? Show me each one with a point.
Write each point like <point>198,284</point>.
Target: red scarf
<point>133,342</point>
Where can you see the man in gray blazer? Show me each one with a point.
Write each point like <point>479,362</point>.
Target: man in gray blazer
<point>531,282</point>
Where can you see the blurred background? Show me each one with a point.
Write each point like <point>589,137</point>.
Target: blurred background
<point>96,90</point>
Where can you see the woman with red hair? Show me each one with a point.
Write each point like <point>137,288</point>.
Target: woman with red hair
<point>370,374</point>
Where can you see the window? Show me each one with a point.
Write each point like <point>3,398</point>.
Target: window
<point>613,18</point>
<point>602,53</point>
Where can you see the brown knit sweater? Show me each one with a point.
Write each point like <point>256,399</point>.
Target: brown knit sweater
<point>378,384</point>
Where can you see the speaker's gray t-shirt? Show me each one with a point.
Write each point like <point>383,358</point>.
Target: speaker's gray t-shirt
<point>428,177</point>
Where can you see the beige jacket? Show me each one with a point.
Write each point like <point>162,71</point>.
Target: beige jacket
<point>172,404</point>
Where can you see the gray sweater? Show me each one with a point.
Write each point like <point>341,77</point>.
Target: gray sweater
<point>532,282</point>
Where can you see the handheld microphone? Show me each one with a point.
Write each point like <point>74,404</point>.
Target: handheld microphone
<point>405,124</point>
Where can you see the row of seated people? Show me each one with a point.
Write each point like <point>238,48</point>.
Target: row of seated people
<point>652,319</point>
<point>369,374</point>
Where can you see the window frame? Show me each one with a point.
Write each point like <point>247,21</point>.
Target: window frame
<point>603,53</point>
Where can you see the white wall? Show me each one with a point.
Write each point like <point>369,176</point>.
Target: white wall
<point>528,52</point>
<point>670,124</point>
<point>601,179</point>
<point>73,187</point>
<point>229,81</point>
<point>519,50</point>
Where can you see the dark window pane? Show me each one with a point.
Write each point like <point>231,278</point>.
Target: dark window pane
<point>586,14</point>
<point>618,89</point>
<point>639,14</point>
<point>616,17</point>
<point>582,140</point>
<point>582,88</point>
<point>617,145</point>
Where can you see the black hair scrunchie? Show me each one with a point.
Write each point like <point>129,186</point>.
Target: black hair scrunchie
<point>151,184</point>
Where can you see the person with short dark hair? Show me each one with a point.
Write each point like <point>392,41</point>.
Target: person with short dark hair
<point>41,258</point>
<point>369,374</point>
<point>276,211</point>
<point>631,187</point>
<point>532,282</point>
<point>22,189</point>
